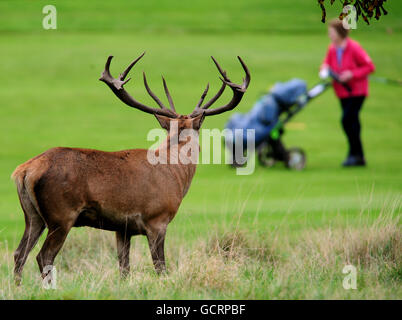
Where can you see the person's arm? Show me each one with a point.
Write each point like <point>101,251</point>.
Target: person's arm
<point>325,63</point>
<point>324,68</point>
<point>363,60</point>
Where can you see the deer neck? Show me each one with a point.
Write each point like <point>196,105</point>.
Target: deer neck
<point>182,158</point>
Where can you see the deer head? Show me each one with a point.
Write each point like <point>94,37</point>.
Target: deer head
<point>165,115</point>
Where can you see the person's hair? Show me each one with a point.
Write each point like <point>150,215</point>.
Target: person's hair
<point>338,26</point>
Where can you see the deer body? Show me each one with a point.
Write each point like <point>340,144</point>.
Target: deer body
<point>84,187</point>
<point>117,191</point>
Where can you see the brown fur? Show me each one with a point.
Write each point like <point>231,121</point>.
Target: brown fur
<point>117,191</point>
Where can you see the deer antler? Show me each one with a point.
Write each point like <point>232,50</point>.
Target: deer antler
<point>116,85</point>
<point>238,92</point>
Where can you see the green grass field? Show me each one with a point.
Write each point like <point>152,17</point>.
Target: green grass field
<point>272,235</point>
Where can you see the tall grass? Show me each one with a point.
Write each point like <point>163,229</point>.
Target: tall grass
<point>229,263</point>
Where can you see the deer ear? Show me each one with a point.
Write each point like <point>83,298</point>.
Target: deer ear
<point>163,121</point>
<point>197,121</point>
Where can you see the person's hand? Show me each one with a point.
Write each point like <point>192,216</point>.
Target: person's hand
<point>345,76</point>
<point>324,72</point>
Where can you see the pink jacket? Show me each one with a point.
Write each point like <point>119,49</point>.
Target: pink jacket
<point>355,59</point>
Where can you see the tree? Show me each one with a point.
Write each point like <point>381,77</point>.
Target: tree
<point>364,8</point>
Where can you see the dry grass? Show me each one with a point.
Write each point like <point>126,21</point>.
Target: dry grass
<point>227,265</point>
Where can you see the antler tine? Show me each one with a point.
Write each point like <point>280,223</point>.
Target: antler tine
<point>216,97</point>
<point>168,95</point>
<point>132,64</point>
<point>222,72</point>
<point>116,85</point>
<point>202,97</point>
<point>246,81</point>
<point>226,80</point>
<point>106,71</point>
<point>238,92</point>
<point>156,99</point>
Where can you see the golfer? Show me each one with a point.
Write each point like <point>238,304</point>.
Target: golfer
<point>347,58</point>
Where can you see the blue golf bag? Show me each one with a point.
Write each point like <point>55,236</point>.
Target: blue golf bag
<point>264,115</point>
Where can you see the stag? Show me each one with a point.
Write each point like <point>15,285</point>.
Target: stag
<point>117,191</point>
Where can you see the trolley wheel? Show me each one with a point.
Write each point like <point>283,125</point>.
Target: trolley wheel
<point>296,159</point>
<point>266,155</point>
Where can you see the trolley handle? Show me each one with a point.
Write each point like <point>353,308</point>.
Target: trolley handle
<point>335,76</point>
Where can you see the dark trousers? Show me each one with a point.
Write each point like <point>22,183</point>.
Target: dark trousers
<point>351,124</point>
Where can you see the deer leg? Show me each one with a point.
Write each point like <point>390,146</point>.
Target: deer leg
<point>156,241</point>
<point>34,227</point>
<point>52,245</point>
<point>123,252</point>
<point>33,230</point>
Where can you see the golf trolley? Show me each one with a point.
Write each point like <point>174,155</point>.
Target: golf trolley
<point>269,116</point>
